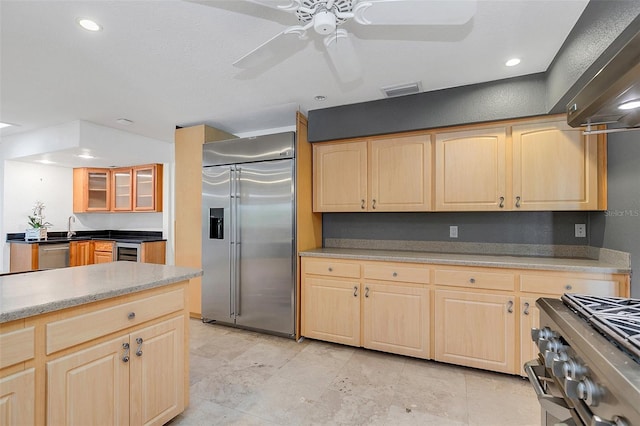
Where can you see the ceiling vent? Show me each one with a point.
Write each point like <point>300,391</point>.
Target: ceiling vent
<point>402,89</point>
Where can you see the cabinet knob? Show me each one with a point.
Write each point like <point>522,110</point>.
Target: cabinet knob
<point>510,306</point>
<point>362,205</point>
<point>330,269</point>
<point>472,280</point>
<point>568,287</point>
<point>131,315</point>
<point>366,292</point>
<point>139,350</point>
<point>518,201</point>
<point>373,204</point>
<point>125,356</point>
<point>355,291</point>
<point>526,308</point>
<point>501,205</point>
<point>395,274</point>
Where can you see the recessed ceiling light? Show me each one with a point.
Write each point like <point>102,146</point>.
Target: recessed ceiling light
<point>88,24</point>
<point>630,104</point>
<point>46,162</point>
<point>86,156</point>
<point>124,121</point>
<point>3,125</point>
<point>320,98</point>
<point>512,62</point>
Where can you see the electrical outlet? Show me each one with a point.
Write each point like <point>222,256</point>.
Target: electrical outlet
<point>581,230</point>
<point>453,232</point>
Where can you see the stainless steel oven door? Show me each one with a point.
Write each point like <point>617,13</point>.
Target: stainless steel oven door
<point>554,408</point>
<point>127,251</point>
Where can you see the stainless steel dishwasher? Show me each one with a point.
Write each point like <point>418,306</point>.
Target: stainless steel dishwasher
<point>51,256</point>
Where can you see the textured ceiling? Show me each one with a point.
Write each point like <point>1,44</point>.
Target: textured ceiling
<point>167,63</point>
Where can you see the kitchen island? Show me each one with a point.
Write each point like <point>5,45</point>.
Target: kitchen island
<point>104,343</point>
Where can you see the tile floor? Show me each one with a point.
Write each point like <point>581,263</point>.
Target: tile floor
<point>245,378</point>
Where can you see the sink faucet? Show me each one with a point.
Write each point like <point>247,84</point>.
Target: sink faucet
<point>70,233</point>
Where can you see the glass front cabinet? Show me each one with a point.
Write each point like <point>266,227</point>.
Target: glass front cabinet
<point>125,189</point>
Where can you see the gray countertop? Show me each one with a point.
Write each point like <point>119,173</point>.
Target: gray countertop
<point>34,293</point>
<point>496,261</point>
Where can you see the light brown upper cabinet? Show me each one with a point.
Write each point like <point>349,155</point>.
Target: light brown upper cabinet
<point>471,170</point>
<point>127,189</point>
<point>381,174</point>
<point>91,190</point>
<point>540,165</point>
<point>555,167</point>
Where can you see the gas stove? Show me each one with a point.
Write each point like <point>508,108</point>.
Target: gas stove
<point>588,371</point>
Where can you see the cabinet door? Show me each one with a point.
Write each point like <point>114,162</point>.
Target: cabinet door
<point>79,253</point>
<point>554,168</point>
<point>331,310</point>
<point>400,174</point>
<point>153,252</point>
<point>97,190</point>
<point>396,319</point>
<point>340,177</point>
<point>102,257</point>
<point>17,399</point>
<point>477,330</point>
<point>529,318</point>
<point>147,188</point>
<point>157,372</point>
<point>122,189</point>
<point>471,170</point>
<point>90,386</point>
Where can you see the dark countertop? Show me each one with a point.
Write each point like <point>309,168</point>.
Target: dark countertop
<point>135,237</point>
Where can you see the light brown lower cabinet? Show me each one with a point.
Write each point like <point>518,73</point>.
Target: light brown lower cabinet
<point>478,317</point>
<point>135,379</point>
<point>102,251</point>
<point>475,329</point>
<point>120,361</point>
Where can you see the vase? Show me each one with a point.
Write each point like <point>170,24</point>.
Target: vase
<point>35,234</point>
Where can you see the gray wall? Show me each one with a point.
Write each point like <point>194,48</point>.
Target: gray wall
<point>618,228</point>
<point>486,227</point>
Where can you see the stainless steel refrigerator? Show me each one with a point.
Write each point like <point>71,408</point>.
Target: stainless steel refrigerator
<point>248,241</point>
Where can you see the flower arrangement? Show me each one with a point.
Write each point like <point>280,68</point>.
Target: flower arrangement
<point>37,220</point>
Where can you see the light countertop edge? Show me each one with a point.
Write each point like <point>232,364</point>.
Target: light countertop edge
<point>496,261</point>
<point>35,293</point>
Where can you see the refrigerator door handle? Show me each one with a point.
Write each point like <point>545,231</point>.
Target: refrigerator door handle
<point>231,245</point>
<point>237,225</point>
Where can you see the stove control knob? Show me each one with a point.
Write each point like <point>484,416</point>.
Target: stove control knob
<point>568,368</point>
<point>542,333</point>
<point>583,389</point>
<point>551,357</point>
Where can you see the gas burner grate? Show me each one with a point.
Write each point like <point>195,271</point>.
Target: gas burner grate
<point>616,317</point>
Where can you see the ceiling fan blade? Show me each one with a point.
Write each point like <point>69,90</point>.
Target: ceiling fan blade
<point>287,5</point>
<point>343,57</point>
<point>414,12</point>
<point>282,43</point>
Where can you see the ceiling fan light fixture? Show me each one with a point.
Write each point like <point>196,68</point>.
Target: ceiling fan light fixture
<point>324,22</point>
<point>402,89</point>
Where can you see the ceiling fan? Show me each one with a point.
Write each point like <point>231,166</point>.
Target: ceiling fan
<point>325,16</point>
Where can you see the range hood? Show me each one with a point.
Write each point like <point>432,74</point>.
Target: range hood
<point>618,82</point>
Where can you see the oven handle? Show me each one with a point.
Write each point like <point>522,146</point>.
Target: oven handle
<point>554,405</point>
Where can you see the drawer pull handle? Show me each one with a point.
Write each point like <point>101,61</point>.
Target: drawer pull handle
<point>568,287</point>
<point>355,291</point>
<point>395,274</point>
<point>366,292</point>
<point>125,356</point>
<point>510,306</point>
<point>131,315</point>
<point>501,202</point>
<point>330,269</point>
<point>526,308</point>
<point>472,280</point>
<point>139,350</point>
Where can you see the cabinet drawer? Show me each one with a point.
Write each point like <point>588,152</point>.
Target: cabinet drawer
<point>332,268</point>
<point>560,285</point>
<point>16,346</point>
<point>103,245</point>
<point>396,272</point>
<point>82,328</point>
<point>475,279</point>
